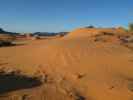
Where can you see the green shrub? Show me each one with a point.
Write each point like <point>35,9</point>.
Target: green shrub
<point>130,27</point>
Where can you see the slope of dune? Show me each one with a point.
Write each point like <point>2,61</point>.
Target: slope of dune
<point>81,66</point>
<point>87,32</point>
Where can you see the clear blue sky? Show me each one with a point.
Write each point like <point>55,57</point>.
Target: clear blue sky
<point>63,15</point>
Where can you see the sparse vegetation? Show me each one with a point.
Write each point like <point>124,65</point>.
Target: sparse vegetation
<point>6,39</point>
<point>122,28</point>
<point>130,27</point>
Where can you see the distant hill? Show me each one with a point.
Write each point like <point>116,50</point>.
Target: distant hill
<point>1,30</point>
<point>6,32</point>
<point>44,34</point>
<point>49,33</point>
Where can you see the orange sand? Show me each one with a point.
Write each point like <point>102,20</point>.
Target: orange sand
<point>79,68</point>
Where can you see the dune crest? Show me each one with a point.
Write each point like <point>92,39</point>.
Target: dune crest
<point>87,32</point>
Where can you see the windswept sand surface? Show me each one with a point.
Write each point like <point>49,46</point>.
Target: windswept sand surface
<point>74,67</point>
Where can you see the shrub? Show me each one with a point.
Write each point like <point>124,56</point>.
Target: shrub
<point>130,27</point>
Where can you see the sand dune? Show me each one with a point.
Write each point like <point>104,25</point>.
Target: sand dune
<point>87,32</point>
<point>84,65</point>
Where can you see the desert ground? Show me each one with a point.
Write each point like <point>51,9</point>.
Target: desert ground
<point>86,64</point>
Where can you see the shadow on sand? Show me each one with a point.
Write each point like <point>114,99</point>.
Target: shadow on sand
<point>12,45</point>
<point>11,82</point>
